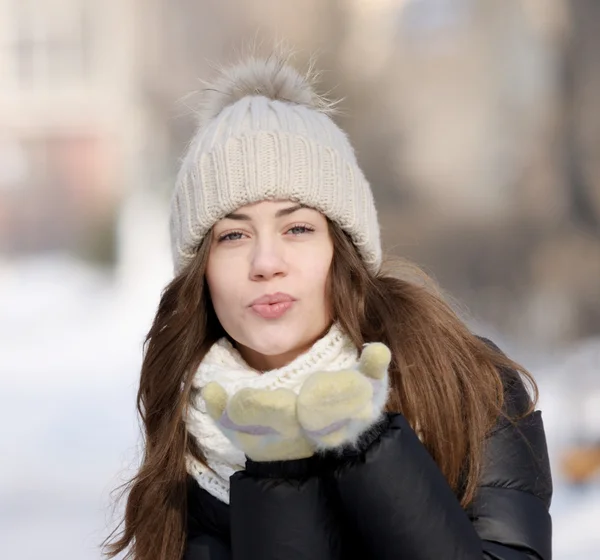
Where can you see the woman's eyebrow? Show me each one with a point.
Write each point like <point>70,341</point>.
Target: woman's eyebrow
<point>288,211</point>
<point>278,214</point>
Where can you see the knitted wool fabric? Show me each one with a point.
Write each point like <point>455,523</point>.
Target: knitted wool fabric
<point>264,135</point>
<point>224,364</point>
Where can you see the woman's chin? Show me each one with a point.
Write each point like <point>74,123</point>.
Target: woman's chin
<point>273,350</point>
<point>278,346</point>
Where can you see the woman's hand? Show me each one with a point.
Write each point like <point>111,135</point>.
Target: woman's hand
<point>260,422</point>
<point>335,407</point>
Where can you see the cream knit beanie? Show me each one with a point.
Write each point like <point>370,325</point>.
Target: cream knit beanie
<point>264,134</point>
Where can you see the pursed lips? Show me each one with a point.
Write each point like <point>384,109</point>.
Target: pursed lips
<point>272,306</point>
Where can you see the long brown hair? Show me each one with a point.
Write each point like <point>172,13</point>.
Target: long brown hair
<point>444,379</point>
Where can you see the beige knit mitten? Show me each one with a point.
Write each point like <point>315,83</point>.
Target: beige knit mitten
<point>335,407</point>
<point>260,422</point>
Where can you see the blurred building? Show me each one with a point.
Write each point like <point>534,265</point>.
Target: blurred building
<point>71,121</point>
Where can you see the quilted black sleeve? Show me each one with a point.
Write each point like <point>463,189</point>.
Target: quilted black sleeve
<point>281,511</point>
<point>207,526</point>
<point>395,498</point>
<point>206,547</point>
<point>510,510</point>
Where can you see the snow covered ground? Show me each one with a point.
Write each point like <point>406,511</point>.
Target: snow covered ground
<point>70,351</point>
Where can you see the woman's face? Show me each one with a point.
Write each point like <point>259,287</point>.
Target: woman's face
<point>267,275</point>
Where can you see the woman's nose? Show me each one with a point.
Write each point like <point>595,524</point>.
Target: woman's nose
<point>268,261</point>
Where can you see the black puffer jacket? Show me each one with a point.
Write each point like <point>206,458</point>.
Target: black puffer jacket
<point>388,501</point>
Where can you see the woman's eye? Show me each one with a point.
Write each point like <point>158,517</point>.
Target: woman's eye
<point>299,230</point>
<point>232,236</point>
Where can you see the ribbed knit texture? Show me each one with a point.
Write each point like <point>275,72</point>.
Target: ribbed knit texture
<point>224,364</point>
<point>260,148</point>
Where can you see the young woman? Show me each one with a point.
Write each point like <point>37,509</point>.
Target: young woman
<point>298,402</point>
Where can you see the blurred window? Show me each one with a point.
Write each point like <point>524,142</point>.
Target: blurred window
<point>427,16</point>
<point>51,42</point>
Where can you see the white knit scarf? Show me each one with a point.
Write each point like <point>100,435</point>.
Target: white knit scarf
<point>224,364</point>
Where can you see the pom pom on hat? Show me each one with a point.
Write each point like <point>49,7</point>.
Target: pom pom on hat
<point>272,77</point>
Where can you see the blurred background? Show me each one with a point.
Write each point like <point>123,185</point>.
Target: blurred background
<point>476,121</point>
